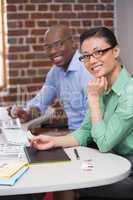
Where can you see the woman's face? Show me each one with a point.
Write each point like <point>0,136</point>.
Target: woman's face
<point>99,63</point>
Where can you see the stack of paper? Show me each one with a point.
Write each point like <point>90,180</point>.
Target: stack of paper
<point>11,171</point>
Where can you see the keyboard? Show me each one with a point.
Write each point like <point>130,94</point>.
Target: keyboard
<point>17,137</point>
<point>10,150</point>
<point>11,123</point>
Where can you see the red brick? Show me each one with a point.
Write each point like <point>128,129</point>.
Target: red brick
<point>30,7</point>
<point>90,7</point>
<point>108,23</point>
<point>41,15</point>
<point>29,24</point>
<point>52,22</point>
<point>41,1</point>
<point>65,15</point>
<point>19,49</point>
<point>88,15</point>
<point>33,88</point>
<point>97,23</point>
<point>13,73</point>
<point>42,24</point>
<point>43,7</point>
<point>19,65</point>
<point>106,1</point>
<point>40,63</point>
<point>34,56</point>
<point>38,32</point>
<point>14,16</point>
<point>64,1</point>
<point>87,1</point>
<point>11,8</point>
<point>15,24</point>
<point>87,22</point>
<point>75,23</point>
<point>19,80</point>
<point>17,1</point>
<point>78,7</point>
<point>37,80</point>
<point>17,32</point>
<point>66,7</point>
<point>30,40</point>
<point>106,15</point>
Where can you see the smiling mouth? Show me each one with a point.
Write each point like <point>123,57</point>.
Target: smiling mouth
<point>96,68</point>
<point>57,58</point>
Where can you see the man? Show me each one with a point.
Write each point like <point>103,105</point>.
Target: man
<point>66,80</point>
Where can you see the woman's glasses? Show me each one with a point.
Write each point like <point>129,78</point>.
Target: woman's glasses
<point>96,54</point>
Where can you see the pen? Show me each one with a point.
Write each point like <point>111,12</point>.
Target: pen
<point>76,154</point>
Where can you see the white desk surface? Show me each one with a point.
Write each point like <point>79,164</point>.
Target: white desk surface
<point>107,168</point>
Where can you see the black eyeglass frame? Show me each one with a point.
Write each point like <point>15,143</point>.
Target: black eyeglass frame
<point>88,56</point>
<point>57,44</point>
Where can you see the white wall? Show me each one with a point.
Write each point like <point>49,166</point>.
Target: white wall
<point>124,30</point>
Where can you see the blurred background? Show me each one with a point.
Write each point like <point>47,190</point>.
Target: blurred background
<point>23,63</point>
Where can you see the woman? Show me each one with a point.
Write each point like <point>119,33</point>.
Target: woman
<point>109,122</point>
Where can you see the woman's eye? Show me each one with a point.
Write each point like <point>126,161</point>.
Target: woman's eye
<point>98,53</point>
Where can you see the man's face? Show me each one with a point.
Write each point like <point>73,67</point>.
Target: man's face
<point>59,48</point>
<point>98,56</point>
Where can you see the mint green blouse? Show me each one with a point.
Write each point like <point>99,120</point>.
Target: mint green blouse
<point>115,131</point>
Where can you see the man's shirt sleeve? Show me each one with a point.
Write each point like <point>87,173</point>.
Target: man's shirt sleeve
<point>45,96</point>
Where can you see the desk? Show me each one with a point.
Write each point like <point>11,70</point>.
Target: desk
<point>108,168</point>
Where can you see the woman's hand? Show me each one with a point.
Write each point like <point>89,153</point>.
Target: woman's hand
<point>43,142</point>
<point>97,87</point>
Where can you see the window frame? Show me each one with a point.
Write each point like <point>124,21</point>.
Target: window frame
<point>3,58</point>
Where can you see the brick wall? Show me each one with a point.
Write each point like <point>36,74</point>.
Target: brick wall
<point>25,24</point>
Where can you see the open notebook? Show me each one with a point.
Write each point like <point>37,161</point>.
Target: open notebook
<point>51,155</point>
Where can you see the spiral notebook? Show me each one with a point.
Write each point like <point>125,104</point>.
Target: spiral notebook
<point>41,156</point>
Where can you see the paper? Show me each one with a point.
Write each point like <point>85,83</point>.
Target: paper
<point>13,179</point>
<point>9,167</point>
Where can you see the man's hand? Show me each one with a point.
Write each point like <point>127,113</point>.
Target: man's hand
<point>18,112</point>
<point>24,115</point>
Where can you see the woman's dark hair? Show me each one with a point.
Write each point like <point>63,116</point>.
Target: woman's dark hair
<point>102,32</point>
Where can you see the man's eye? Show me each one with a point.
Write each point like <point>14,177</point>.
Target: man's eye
<point>56,44</point>
<point>86,56</point>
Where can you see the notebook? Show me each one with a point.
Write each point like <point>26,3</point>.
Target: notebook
<point>12,180</point>
<point>9,168</point>
<point>51,155</point>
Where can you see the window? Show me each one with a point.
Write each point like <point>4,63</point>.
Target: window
<point>1,48</point>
